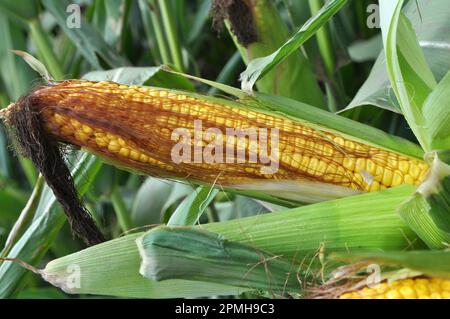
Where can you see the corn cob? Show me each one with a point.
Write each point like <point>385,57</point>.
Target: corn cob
<point>132,127</point>
<point>417,288</point>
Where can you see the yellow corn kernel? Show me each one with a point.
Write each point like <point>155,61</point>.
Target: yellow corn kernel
<point>134,155</point>
<point>113,146</point>
<point>417,288</point>
<point>87,129</point>
<point>124,152</point>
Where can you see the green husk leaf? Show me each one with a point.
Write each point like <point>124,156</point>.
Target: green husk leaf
<point>112,269</point>
<point>193,254</point>
<point>435,263</point>
<point>358,223</point>
<point>353,129</point>
<point>427,212</point>
<point>219,86</point>
<point>296,235</point>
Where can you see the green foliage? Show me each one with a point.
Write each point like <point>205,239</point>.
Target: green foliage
<point>306,52</point>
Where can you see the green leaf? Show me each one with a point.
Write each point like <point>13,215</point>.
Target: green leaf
<point>47,222</point>
<point>155,76</point>
<point>41,293</point>
<point>344,225</point>
<point>129,75</point>
<point>112,269</point>
<point>198,22</point>
<point>10,64</point>
<point>411,78</point>
<point>353,129</point>
<point>5,160</point>
<point>437,115</point>
<point>219,86</point>
<point>430,22</point>
<point>150,202</point>
<point>193,207</point>
<point>340,225</point>
<point>11,203</point>
<point>90,44</point>
<point>368,50</point>
<point>19,9</point>
<point>288,75</point>
<point>427,212</point>
<point>109,17</point>
<point>192,254</point>
<point>260,66</point>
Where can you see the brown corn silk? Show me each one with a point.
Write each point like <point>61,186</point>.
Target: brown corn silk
<point>132,127</point>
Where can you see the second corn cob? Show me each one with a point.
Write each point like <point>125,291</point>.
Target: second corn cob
<point>415,288</point>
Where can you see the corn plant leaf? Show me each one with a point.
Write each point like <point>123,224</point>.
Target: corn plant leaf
<point>150,202</point>
<point>89,42</point>
<point>13,38</point>
<point>411,78</point>
<point>219,86</point>
<point>47,222</point>
<point>19,9</point>
<point>435,263</point>
<point>344,225</point>
<point>112,269</point>
<point>430,22</point>
<point>11,202</point>
<point>340,225</point>
<point>193,254</point>
<point>437,115</point>
<point>109,19</point>
<point>293,77</point>
<point>193,206</point>
<point>198,22</point>
<point>368,50</point>
<point>5,160</point>
<point>260,66</point>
